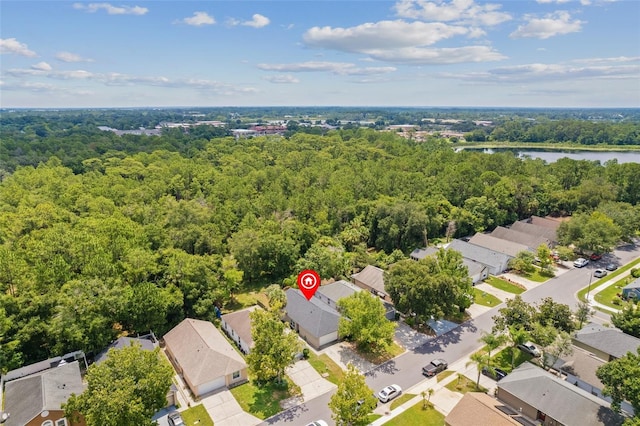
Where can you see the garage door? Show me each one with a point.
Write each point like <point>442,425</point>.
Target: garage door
<point>211,386</point>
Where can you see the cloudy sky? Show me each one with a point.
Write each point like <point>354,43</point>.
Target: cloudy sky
<point>528,53</point>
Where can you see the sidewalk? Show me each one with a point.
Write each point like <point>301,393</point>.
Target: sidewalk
<point>311,383</point>
<point>591,298</point>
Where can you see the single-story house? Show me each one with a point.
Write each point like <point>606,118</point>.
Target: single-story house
<point>547,222</point>
<point>477,271</point>
<point>314,320</point>
<point>147,343</point>
<point>495,262</point>
<point>204,357</point>
<point>537,230</point>
<point>551,401</point>
<point>531,241</point>
<point>371,278</point>
<point>632,290</point>
<point>490,242</point>
<point>479,409</point>
<point>604,342</point>
<point>36,400</point>
<point>237,325</point>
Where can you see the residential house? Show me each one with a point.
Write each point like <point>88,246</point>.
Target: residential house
<point>333,292</point>
<point>237,325</point>
<point>490,242</point>
<point>36,399</point>
<point>549,400</point>
<point>479,409</point>
<point>536,230</point>
<point>371,278</point>
<point>604,342</point>
<point>495,262</point>
<point>632,290</point>
<point>203,357</point>
<point>531,241</point>
<point>314,320</point>
<point>547,222</point>
<point>147,343</point>
<point>477,271</point>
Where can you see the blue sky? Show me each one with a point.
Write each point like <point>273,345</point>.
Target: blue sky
<point>516,53</point>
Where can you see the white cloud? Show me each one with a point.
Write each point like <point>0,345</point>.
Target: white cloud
<point>42,66</point>
<point>553,24</point>
<point>339,68</point>
<point>466,11</point>
<point>257,21</point>
<point>71,57</point>
<point>11,45</point>
<point>435,56</point>
<point>110,9</point>
<point>381,35</point>
<point>605,60</point>
<point>282,79</point>
<point>198,19</point>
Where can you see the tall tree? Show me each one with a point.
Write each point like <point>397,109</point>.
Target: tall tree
<point>621,379</point>
<point>556,314</point>
<point>583,313</point>
<point>363,320</point>
<point>628,319</point>
<point>561,346</point>
<point>517,312</point>
<point>590,232</point>
<point>523,262</point>
<point>492,341</point>
<point>353,401</point>
<point>517,336</point>
<point>126,389</point>
<point>274,349</point>
<point>478,359</point>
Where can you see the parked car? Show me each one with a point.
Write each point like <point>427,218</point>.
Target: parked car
<point>175,419</point>
<point>434,367</point>
<point>611,267</point>
<point>595,256</point>
<point>495,373</point>
<point>580,262</point>
<point>599,273</point>
<point>318,423</point>
<point>530,348</point>
<point>388,393</point>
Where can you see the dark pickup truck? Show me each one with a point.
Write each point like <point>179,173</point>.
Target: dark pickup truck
<point>433,368</point>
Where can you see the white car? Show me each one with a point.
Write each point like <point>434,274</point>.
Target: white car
<point>580,262</point>
<point>388,393</point>
<point>530,348</point>
<point>318,423</point>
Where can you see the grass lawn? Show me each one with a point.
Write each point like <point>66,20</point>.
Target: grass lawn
<point>379,358</point>
<point>196,415</point>
<point>609,294</point>
<point>502,359</point>
<point>582,294</point>
<point>416,415</point>
<point>323,364</point>
<point>485,299</point>
<point>505,285</point>
<point>537,276</point>
<point>463,384</point>
<point>399,401</point>
<point>446,373</point>
<point>373,417</point>
<point>263,401</point>
<point>246,299</point>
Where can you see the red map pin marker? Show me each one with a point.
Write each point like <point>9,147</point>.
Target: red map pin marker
<point>308,282</point>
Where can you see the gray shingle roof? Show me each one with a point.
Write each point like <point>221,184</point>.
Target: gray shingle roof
<point>544,221</point>
<point>313,315</point>
<point>27,397</point>
<point>531,241</point>
<point>479,254</point>
<point>421,253</point>
<point>240,322</point>
<point>372,276</point>
<point>337,290</point>
<point>124,342</point>
<point>202,351</point>
<point>498,244</point>
<point>633,284</point>
<point>557,398</point>
<point>537,230</point>
<point>608,340</point>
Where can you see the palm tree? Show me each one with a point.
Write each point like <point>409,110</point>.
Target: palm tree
<point>492,341</point>
<point>479,359</point>
<point>517,336</point>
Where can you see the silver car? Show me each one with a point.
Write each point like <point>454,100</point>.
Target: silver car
<point>388,393</point>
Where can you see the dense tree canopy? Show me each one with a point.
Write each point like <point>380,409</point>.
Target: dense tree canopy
<point>364,322</point>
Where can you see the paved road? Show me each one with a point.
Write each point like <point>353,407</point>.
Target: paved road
<point>405,370</point>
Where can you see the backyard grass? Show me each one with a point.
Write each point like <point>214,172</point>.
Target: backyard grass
<point>505,285</point>
<point>401,400</point>
<point>246,299</point>
<point>263,401</point>
<point>440,377</point>
<point>196,415</point>
<point>463,384</point>
<point>323,364</point>
<point>485,299</point>
<point>379,358</point>
<point>502,359</point>
<point>610,294</point>
<point>582,294</point>
<point>416,415</point>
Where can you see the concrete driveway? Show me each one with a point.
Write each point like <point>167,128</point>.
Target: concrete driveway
<point>342,354</point>
<point>408,338</point>
<point>225,410</point>
<point>310,381</point>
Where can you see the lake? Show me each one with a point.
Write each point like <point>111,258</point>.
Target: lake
<point>551,156</point>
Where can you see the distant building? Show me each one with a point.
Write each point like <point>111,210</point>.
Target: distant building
<point>632,290</point>
<point>479,409</point>
<point>604,342</point>
<point>477,271</point>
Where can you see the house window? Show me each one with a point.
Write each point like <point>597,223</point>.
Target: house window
<point>47,423</point>
<point>61,422</point>
<point>236,375</point>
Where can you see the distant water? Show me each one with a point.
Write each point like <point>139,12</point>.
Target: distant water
<point>551,156</point>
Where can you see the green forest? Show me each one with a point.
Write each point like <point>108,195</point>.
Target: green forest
<point>102,236</point>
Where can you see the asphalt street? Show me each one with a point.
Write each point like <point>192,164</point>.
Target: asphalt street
<point>406,370</point>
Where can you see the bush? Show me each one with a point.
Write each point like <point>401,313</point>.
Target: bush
<point>635,272</point>
<point>616,301</point>
<point>305,353</point>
